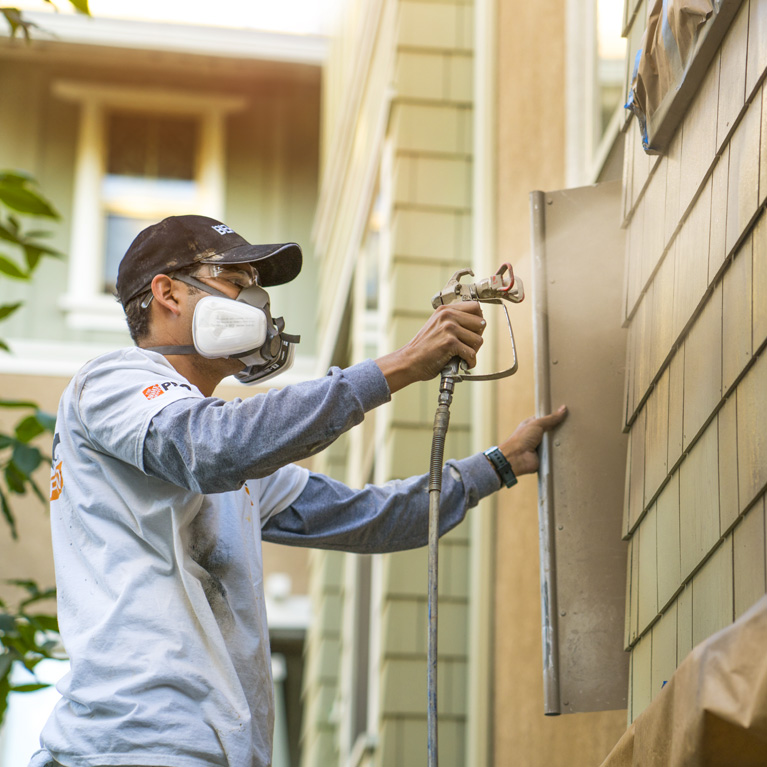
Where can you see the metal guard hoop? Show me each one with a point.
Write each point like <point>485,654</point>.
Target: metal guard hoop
<point>467,376</point>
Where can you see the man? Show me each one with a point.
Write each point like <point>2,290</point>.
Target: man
<point>162,494</point>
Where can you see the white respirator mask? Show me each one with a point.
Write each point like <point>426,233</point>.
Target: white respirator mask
<point>241,328</point>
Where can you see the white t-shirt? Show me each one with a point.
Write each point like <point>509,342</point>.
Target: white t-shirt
<point>161,602</point>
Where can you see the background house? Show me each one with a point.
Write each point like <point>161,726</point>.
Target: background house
<point>450,114</point>
<point>124,121</point>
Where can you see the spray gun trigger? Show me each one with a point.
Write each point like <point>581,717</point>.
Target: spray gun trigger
<point>454,290</point>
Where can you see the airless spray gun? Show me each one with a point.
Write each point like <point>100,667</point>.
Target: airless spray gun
<point>502,286</point>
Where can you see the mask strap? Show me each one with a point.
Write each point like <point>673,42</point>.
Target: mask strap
<point>195,283</point>
<point>171,349</point>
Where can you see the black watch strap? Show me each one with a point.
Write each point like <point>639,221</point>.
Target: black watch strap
<point>502,466</point>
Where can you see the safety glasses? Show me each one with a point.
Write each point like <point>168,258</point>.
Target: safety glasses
<point>240,275</point>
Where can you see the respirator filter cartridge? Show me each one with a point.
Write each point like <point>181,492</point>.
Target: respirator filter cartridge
<point>225,328</point>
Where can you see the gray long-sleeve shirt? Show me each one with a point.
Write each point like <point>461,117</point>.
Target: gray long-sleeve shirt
<point>205,445</point>
<point>159,500</point>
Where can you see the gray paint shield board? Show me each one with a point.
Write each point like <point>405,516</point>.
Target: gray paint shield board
<point>580,353</point>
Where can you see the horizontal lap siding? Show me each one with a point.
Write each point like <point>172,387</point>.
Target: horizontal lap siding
<point>696,309</point>
<point>430,134</point>
<point>418,88</point>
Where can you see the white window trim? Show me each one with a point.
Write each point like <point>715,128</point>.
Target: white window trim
<point>86,306</point>
<point>585,156</point>
<point>482,573</point>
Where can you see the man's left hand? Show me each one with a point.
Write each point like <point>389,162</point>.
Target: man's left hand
<point>521,447</point>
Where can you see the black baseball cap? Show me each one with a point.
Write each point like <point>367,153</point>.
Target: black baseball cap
<point>181,241</point>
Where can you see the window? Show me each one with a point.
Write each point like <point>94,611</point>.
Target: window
<point>595,87</point>
<point>611,53</point>
<point>150,168</point>
<point>142,155</point>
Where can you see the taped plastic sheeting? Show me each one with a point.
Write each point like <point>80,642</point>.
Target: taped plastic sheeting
<point>678,44</point>
<point>713,711</point>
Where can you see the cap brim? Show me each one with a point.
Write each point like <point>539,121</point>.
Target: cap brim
<point>276,264</point>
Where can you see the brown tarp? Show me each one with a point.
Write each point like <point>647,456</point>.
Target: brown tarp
<point>713,711</point>
<point>677,45</point>
<point>667,47</point>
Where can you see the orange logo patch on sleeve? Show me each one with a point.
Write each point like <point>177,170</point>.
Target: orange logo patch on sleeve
<point>153,391</point>
<point>57,482</point>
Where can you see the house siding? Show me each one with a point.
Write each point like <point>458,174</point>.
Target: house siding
<point>696,372</point>
<point>431,136</point>
<point>415,96</point>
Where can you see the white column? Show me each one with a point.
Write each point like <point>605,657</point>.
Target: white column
<point>479,727</point>
<point>87,237</point>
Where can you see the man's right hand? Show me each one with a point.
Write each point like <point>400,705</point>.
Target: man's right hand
<point>452,331</point>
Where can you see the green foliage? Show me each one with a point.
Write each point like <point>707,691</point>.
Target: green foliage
<point>17,22</point>
<point>25,639</point>
<point>19,195</point>
<point>79,5</point>
<point>19,459</point>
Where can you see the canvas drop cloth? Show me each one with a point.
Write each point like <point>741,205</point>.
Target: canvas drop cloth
<point>713,711</point>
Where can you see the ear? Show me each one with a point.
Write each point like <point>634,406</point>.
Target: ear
<point>167,293</point>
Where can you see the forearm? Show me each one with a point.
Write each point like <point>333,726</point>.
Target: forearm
<point>211,446</point>
<point>379,518</point>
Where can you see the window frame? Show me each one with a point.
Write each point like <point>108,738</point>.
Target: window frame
<point>586,148</point>
<point>85,303</point>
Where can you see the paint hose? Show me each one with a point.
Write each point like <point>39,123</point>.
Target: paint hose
<point>441,422</point>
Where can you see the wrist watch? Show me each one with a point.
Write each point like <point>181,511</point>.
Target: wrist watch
<point>502,466</point>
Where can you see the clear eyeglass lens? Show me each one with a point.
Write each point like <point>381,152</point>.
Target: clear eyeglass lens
<point>241,275</point>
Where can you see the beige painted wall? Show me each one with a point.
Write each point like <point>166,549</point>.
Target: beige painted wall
<point>531,155</point>
<point>31,556</point>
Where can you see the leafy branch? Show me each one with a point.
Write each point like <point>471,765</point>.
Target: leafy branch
<point>19,459</point>
<point>25,639</point>
<point>17,22</point>
<point>19,195</point>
